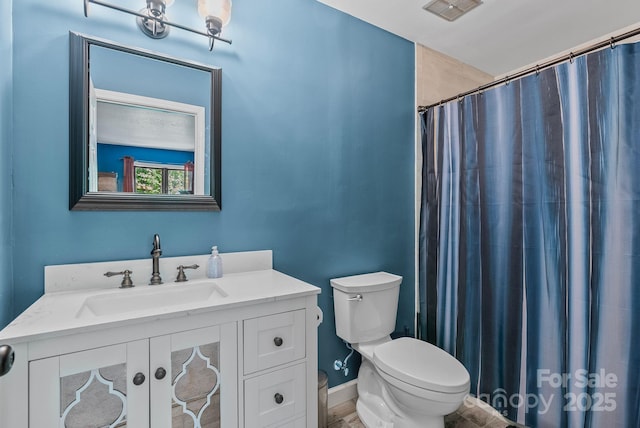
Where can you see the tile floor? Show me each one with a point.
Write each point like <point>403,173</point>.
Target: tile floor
<point>471,414</point>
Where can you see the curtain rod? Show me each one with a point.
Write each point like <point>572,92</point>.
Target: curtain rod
<point>539,67</point>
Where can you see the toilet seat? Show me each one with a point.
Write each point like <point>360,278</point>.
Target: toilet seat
<point>421,365</point>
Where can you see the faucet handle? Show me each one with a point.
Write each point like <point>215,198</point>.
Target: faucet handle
<point>126,279</point>
<point>181,276</point>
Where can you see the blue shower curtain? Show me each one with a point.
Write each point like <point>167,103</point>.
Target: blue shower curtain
<point>530,241</point>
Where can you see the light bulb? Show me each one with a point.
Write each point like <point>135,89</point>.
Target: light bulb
<point>220,9</point>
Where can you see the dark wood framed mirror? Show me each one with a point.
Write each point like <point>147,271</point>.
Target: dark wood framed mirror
<point>144,129</point>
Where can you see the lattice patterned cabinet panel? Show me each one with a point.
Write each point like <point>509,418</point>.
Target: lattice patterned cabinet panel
<point>180,380</point>
<point>96,397</point>
<point>101,387</point>
<point>196,386</point>
<point>193,393</point>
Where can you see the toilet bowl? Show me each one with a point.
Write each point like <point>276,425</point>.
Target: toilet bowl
<point>402,383</point>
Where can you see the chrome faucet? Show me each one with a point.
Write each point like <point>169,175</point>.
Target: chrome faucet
<point>156,252</point>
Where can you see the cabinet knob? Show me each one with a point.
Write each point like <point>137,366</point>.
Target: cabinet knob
<point>278,398</point>
<point>278,341</point>
<point>138,379</point>
<point>7,357</point>
<point>160,373</point>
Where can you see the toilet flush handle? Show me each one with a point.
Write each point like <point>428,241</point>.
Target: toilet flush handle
<point>356,298</point>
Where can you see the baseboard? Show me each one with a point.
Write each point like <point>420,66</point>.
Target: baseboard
<point>343,392</point>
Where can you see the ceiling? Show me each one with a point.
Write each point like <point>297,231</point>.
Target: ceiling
<point>499,36</point>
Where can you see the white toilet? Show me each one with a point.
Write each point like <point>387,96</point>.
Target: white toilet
<point>402,383</point>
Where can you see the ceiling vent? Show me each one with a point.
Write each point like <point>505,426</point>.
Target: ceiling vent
<point>451,9</point>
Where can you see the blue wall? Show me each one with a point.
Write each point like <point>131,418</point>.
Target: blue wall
<point>6,101</point>
<point>317,149</point>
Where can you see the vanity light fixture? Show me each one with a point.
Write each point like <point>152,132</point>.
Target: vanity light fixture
<point>216,14</point>
<point>153,24</point>
<point>153,20</point>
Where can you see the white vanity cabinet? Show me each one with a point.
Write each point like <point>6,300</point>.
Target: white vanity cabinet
<point>166,381</point>
<point>247,358</point>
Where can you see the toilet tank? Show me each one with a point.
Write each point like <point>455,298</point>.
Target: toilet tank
<point>365,306</point>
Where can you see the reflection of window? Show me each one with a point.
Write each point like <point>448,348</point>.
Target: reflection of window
<point>165,179</point>
<point>156,130</point>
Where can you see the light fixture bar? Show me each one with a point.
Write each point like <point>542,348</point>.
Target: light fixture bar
<point>159,20</point>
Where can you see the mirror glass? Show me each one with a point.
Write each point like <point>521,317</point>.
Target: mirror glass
<point>147,135</point>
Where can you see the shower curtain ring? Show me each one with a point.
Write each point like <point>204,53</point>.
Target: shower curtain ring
<point>613,43</point>
<point>571,57</point>
<point>537,70</point>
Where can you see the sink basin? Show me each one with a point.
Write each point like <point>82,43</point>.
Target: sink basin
<point>140,299</point>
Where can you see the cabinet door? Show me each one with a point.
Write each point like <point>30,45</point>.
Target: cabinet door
<point>102,387</point>
<point>194,378</point>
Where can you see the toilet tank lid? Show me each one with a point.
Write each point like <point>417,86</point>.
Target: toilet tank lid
<point>376,281</point>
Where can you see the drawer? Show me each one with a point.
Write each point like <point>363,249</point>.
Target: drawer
<point>298,423</point>
<point>275,397</point>
<point>273,340</point>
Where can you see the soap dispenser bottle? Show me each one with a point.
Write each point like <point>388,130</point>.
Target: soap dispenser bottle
<point>214,265</point>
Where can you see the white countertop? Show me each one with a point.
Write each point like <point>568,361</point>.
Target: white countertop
<point>56,314</point>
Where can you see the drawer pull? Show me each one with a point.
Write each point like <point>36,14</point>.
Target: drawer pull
<point>160,373</point>
<point>138,379</point>
<point>278,398</point>
<point>278,341</point>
